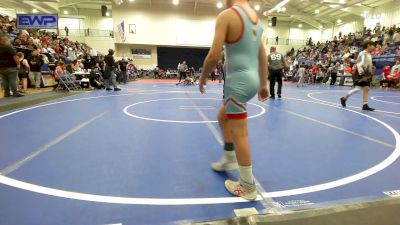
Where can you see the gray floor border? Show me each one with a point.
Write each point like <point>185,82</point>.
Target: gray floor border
<point>381,212</point>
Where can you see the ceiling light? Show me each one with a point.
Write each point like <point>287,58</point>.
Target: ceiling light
<point>358,4</point>
<point>279,5</point>
<point>65,12</point>
<point>34,10</point>
<point>334,6</point>
<point>320,26</point>
<point>339,21</point>
<point>107,14</point>
<point>131,0</point>
<point>300,25</point>
<point>344,9</point>
<point>283,9</point>
<point>175,2</point>
<point>257,7</point>
<point>270,24</point>
<point>265,13</point>
<point>219,5</point>
<point>316,11</point>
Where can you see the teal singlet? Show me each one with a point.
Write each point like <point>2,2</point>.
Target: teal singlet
<point>242,80</point>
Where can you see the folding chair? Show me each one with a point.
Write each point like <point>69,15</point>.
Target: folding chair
<point>66,82</point>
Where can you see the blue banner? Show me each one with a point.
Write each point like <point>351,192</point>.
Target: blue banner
<point>37,21</point>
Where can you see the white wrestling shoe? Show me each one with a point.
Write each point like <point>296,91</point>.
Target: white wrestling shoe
<point>242,189</point>
<point>225,164</point>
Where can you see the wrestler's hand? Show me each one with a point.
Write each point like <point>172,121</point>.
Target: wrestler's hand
<point>202,86</point>
<point>263,93</point>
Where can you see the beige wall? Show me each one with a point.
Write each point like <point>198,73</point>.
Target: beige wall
<point>179,26</point>
<point>390,13</point>
<point>124,50</point>
<point>171,26</point>
<point>92,19</point>
<point>287,30</point>
<point>101,45</point>
<point>350,27</point>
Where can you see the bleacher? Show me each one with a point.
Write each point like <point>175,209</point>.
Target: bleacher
<point>388,58</point>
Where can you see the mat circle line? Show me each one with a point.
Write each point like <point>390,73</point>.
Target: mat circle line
<point>199,201</point>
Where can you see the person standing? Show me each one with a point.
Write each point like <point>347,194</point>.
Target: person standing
<point>122,66</point>
<point>240,30</point>
<point>182,71</point>
<point>334,72</point>
<point>109,71</point>
<point>9,65</point>
<point>23,71</point>
<point>35,63</point>
<point>276,63</point>
<point>363,77</point>
<point>301,73</point>
<point>66,31</point>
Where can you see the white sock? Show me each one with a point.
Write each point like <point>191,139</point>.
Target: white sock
<point>246,174</point>
<point>229,155</point>
<point>353,91</point>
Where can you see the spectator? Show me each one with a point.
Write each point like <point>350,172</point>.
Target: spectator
<point>30,44</point>
<point>334,72</point>
<point>77,65</point>
<point>122,65</point>
<point>377,51</point>
<point>35,63</point>
<point>389,37</point>
<point>66,31</point>
<point>396,36</point>
<point>61,67</point>
<point>109,72</point>
<point>9,65</point>
<point>23,72</point>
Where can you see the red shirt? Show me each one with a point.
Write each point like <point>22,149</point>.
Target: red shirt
<point>45,41</point>
<point>386,71</point>
<point>314,69</point>
<point>377,52</point>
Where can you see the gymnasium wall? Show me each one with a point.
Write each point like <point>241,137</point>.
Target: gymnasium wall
<point>124,50</point>
<point>100,44</point>
<point>171,26</point>
<point>180,26</point>
<point>390,13</point>
<point>349,27</point>
<point>287,30</point>
<point>92,19</point>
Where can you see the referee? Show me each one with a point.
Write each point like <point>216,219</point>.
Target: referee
<point>276,63</point>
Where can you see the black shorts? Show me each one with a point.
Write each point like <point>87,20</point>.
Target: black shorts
<point>363,81</point>
<point>22,75</point>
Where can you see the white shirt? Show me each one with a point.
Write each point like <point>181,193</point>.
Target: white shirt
<point>364,62</point>
<point>396,37</point>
